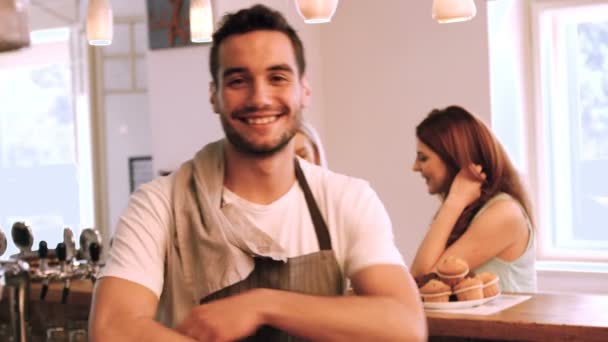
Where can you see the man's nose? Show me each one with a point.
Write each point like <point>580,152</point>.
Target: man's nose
<point>260,94</point>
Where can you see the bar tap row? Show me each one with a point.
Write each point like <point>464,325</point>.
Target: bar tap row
<point>62,264</point>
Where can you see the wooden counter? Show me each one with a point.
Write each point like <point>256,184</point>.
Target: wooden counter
<point>544,317</point>
<point>50,312</point>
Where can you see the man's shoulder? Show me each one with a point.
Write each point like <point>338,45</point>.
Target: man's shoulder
<point>331,182</point>
<point>160,186</point>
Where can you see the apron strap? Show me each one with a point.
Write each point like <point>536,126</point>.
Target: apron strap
<point>315,214</point>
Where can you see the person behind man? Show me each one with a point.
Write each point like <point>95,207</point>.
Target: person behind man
<point>308,146</point>
<point>246,239</point>
<point>485,213</point>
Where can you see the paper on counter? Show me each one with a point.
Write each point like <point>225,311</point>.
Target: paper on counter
<point>502,302</point>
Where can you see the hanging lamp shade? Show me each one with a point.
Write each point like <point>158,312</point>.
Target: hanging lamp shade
<point>100,28</point>
<point>316,11</point>
<point>452,11</point>
<point>14,28</point>
<point>201,21</point>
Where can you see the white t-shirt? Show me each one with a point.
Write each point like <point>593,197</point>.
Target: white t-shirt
<point>358,224</point>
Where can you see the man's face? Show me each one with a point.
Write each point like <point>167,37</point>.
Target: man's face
<point>260,94</point>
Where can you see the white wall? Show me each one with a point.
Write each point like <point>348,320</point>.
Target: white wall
<point>182,119</point>
<point>387,64</point>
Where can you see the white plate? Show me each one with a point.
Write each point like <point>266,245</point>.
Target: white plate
<point>458,304</point>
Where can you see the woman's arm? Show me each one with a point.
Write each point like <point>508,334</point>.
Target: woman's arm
<point>434,244</point>
<point>501,230</point>
<point>465,189</point>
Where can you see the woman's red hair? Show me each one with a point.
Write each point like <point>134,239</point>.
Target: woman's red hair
<point>460,139</point>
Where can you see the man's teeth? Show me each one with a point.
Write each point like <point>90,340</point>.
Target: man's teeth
<point>262,121</point>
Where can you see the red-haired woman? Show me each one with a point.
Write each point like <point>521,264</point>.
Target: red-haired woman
<point>485,215</point>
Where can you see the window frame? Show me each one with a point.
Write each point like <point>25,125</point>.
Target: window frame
<point>537,149</point>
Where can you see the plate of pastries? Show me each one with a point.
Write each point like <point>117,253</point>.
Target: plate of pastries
<point>453,286</point>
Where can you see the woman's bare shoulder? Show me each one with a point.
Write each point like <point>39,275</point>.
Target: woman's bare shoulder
<point>503,213</point>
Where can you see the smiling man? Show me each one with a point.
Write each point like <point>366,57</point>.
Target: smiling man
<point>246,241</point>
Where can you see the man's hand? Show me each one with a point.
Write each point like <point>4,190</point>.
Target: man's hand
<point>466,187</point>
<point>227,319</point>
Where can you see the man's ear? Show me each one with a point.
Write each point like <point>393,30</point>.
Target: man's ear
<point>213,96</point>
<point>306,92</point>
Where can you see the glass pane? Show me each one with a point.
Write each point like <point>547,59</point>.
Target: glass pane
<point>593,86</point>
<point>591,161</point>
<point>39,171</point>
<point>575,98</point>
<point>117,74</point>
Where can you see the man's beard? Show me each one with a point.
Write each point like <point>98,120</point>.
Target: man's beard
<point>241,143</point>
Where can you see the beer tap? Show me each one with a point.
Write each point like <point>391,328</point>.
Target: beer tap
<point>43,252</point>
<point>94,251</point>
<point>64,271</point>
<point>3,243</point>
<point>87,237</point>
<point>23,239</point>
<point>3,246</point>
<point>70,246</point>
<point>16,273</point>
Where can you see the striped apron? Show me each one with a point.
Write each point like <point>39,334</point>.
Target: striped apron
<point>315,274</point>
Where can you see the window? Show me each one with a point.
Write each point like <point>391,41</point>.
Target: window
<point>571,46</point>
<point>45,151</point>
<point>550,109</point>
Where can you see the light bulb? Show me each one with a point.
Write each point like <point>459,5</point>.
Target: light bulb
<point>316,11</point>
<point>201,21</point>
<point>100,28</point>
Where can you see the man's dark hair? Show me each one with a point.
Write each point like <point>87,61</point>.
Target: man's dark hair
<point>257,17</point>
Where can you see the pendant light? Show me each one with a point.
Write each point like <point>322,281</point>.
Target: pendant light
<point>201,21</point>
<point>14,28</point>
<point>316,11</point>
<point>100,23</point>
<point>452,11</point>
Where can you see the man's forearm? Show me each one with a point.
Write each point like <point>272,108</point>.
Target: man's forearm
<point>136,330</point>
<point>343,318</point>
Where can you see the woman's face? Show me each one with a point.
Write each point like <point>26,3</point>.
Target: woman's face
<point>305,148</point>
<point>431,168</point>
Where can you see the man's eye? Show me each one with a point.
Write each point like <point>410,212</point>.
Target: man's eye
<point>278,78</point>
<point>236,82</point>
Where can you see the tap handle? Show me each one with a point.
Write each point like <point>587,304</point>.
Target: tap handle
<point>60,250</point>
<point>94,251</point>
<point>43,250</point>
<point>43,290</point>
<point>64,294</point>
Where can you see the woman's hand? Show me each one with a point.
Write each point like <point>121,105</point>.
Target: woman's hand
<point>466,187</point>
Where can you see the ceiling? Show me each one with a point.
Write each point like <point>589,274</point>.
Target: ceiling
<point>53,13</point>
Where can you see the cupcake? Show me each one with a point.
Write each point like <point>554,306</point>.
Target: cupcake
<point>452,270</point>
<point>423,279</point>
<point>435,291</point>
<point>490,284</point>
<point>469,289</point>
